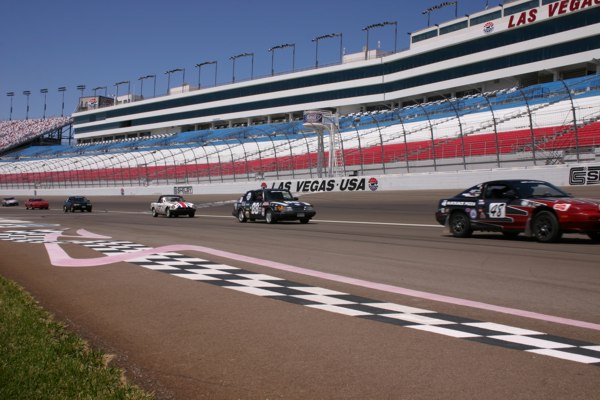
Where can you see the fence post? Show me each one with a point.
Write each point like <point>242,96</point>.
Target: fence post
<point>574,119</point>
<point>432,138</point>
<point>530,126</point>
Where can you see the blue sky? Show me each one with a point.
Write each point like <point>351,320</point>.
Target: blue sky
<point>50,44</point>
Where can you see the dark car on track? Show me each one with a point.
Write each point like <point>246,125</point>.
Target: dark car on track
<point>533,207</point>
<point>81,203</point>
<point>36,202</point>
<point>272,205</point>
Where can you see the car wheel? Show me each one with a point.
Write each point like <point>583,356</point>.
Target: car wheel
<point>595,236</point>
<point>545,227</point>
<point>168,213</point>
<point>191,215</point>
<point>154,213</point>
<point>72,209</point>
<point>460,225</point>
<point>304,220</point>
<point>241,215</point>
<point>269,217</point>
<point>65,209</point>
<point>90,209</point>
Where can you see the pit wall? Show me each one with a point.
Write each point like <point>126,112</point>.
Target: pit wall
<point>560,175</point>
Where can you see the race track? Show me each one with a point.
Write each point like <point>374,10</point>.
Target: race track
<point>370,300</point>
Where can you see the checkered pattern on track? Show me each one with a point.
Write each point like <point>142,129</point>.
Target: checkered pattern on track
<point>229,277</point>
<point>29,236</point>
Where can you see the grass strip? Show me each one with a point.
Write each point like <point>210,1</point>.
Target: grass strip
<point>41,359</point>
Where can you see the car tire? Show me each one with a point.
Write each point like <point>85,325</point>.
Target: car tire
<point>545,227</point>
<point>154,213</point>
<point>65,209</point>
<point>304,220</point>
<point>269,217</point>
<point>460,225</point>
<point>191,215</point>
<point>241,215</point>
<point>168,213</point>
<point>72,209</point>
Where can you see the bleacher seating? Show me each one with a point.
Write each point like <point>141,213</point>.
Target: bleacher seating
<point>506,121</point>
<point>17,132</point>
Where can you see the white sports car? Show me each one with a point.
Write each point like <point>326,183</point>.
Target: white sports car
<point>172,206</point>
<point>9,202</point>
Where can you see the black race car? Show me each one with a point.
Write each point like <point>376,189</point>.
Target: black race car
<point>515,206</point>
<point>80,203</point>
<point>272,205</point>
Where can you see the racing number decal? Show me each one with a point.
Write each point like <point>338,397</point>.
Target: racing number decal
<point>256,208</point>
<point>497,210</point>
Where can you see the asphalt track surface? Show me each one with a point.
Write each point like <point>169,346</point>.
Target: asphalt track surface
<point>189,339</point>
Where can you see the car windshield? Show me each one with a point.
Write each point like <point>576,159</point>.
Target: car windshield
<point>279,196</point>
<point>538,189</point>
<point>175,198</point>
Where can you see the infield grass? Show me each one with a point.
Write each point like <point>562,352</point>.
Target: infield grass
<point>41,359</point>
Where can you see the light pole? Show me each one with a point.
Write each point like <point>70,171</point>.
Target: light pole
<point>233,58</point>
<point>316,40</point>
<point>172,71</point>
<point>282,46</point>
<point>27,93</point>
<point>62,90</point>
<point>45,93</point>
<point>81,88</point>
<point>442,5</point>
<point>99,88</point>
<point>11,95</point>
<point>117,86</point>
<point>380,25</point>
<point>200,65</point>
<point>141,79</point>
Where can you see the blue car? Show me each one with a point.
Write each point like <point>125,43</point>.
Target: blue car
<point>77,203</point>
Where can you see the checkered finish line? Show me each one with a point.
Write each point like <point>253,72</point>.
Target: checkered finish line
<point>229,277</point>
<point>242,280</point>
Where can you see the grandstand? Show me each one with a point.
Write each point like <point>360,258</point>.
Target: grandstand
<point>543,124</point>
<point>21,133</point>
<point>476,92</point>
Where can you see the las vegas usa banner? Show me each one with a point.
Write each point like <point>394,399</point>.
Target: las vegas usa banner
<point>547,11</point>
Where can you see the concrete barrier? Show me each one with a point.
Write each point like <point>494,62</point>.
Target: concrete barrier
<point>582,174</point>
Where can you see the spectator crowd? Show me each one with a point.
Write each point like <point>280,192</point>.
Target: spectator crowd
<point>16,132</point>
